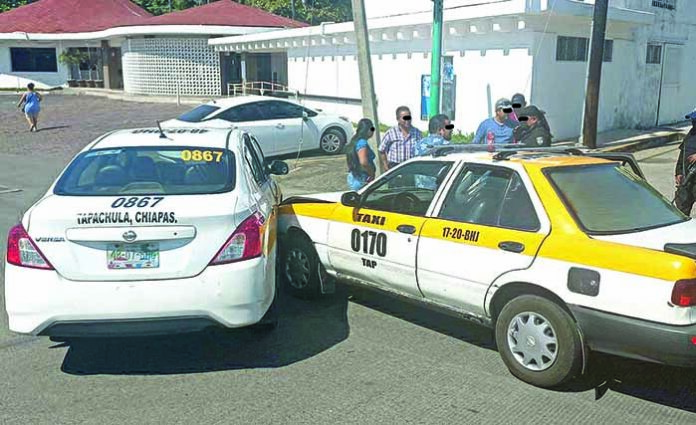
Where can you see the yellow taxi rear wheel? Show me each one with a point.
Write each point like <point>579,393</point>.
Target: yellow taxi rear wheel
<point>539,341</point>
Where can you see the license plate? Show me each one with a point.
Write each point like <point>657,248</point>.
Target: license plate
<point>132,256</point>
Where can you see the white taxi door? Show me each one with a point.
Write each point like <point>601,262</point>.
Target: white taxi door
<point>487,224</point>
<point>376,243</point>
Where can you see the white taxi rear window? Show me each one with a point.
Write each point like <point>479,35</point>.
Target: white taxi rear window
<point>182,170</point>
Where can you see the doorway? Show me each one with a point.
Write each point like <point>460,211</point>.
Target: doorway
<point>230,70</point>
<point>667,109</point>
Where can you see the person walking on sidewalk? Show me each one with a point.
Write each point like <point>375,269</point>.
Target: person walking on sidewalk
<point>360,157</point>
<point>685,170</point>
<point>399,141</point>
<point>31,100</point>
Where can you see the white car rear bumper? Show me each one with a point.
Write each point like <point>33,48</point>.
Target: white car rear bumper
<point>41,302</point>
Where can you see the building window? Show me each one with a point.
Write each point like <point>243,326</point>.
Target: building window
<point>608,50</point>
<point>33,59</point>
<point>574,49</point>
<point>654,55</point>
<point>571,49</point>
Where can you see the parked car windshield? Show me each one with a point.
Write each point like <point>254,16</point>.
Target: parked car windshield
<point>198,113</point>
<point>610,199</point>
<point>149,171</point>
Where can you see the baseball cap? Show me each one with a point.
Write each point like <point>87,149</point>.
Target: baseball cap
<point>503,104</point>
<point>691,115</point>
<point>530,111</point>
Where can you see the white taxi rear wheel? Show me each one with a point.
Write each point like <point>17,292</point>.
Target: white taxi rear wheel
<point>539,341</point>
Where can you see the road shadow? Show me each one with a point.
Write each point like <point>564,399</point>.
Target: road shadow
<point>56,127</point>
<point>669,386</point>
<point>306,328</point>
<point>443,323</point>
<point>666,385</point>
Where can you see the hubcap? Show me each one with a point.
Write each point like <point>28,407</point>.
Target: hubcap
<point>330,143</point>
<point>297,270</point>
<point>532,340</point>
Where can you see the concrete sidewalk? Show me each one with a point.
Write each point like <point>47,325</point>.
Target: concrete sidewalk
<point>631,140</point>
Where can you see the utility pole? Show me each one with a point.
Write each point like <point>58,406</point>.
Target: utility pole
<point>436,62</point>
<point>292,4</point>
<point>594,73</point>
<point>367,85</point>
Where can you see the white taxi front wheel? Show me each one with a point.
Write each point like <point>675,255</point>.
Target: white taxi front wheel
<point>539,341</point>
<point>299,267</point>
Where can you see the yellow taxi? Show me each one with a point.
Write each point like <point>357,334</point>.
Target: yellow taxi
<point>560,251</point>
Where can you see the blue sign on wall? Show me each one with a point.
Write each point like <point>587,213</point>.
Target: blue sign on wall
<point>425,97</point>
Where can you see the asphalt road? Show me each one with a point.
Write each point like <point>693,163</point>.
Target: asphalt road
<point>354,357</point>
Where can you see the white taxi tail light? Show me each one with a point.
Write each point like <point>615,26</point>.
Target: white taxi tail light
<point>684,293</point>
<point>244,244</point>
<point>23,252</point>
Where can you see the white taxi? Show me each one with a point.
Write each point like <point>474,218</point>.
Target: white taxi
<point>149,232</point>
<point>559,252</point>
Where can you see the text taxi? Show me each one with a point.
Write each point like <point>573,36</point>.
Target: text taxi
<point>149,232</point>
<point>559,253</point>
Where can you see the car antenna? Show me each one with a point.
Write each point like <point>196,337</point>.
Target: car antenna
<point>162,135</point>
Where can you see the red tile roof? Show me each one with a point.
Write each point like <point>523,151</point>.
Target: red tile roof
<point>71,16</point>
<point>227,13</point>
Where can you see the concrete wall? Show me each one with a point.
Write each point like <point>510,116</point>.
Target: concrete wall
<point>399,65</point>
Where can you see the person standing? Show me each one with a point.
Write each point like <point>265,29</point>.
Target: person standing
<point>440,129</point>
<point>685,170</point>
<point>398,142</point>
<point>496,130</point>
<point>360,157</point>
<point>535,134</point>
<point>31,100</point>
<point>518,102</point>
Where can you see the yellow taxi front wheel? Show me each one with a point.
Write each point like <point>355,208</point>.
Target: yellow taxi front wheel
<point>300,267</point>
<point>539,341</point>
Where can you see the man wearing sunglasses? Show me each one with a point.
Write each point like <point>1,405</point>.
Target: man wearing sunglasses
<point>398,143</point>
<point>440,129</point>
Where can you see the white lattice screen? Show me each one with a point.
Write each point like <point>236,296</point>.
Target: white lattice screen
<point>155,65</point>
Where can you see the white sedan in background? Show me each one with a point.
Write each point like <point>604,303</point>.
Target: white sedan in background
<point>281,126</point>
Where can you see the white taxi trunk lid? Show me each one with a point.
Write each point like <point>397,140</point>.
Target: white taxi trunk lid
<point>76,233</point>
<point>681,233</point>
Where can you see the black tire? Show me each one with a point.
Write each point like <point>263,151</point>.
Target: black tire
<point>299,267</point>
<point>332,141</point>
<point>566,360</point>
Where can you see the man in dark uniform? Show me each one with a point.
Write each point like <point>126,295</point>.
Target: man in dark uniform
<point>532,133</point>
<point>685,170</point>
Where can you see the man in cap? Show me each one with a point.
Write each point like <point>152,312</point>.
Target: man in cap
<point>685,170</point>
<point>498,129</point>
<point>534,133</point>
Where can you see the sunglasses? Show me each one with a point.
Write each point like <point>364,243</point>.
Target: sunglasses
<point>449,127</point>
<point>406,118</point>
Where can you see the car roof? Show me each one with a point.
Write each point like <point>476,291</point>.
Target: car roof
<point>533,159</point>
<point>200,137</point>
<point>228,102</point>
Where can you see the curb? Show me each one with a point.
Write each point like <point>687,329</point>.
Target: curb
<point>647,143</point>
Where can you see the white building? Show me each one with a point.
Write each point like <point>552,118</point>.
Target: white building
<point>129,49</point>
<point>497,48</point>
